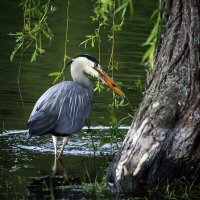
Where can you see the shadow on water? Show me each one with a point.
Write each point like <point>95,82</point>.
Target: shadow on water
<point>55,186</point>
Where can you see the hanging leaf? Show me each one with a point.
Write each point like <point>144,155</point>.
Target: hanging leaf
<point>123,6</point>
<point>155,13</point>
<point>151,61</point>
<point>55,74</point>
<point>148,52</point>
<point>17,47</point>
<point>34,55</point>
<point>131,7</point>
<point>35,14</point>
<point>152,35</point>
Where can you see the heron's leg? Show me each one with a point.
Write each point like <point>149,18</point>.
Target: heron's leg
<point>65,140</point>
<point>55,142</point>
<point>55,166</point>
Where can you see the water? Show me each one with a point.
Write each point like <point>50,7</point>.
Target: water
<point>25,166</point>
<point>24,163</point>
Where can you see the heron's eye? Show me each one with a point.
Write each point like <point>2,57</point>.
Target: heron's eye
<point>95,65</point>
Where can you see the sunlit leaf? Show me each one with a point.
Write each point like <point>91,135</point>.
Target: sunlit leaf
<point>34,27</point>
<point>124,5</point>
<point>152,35</point>
<point>148,53</point>
<point>34,56</point>
<point>41,50</point>
<point>156,12</point>
<point>55,74</point>
<point>17,47</point>
<point>151,61</point>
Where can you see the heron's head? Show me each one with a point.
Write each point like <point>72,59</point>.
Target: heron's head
<point>88,64</point>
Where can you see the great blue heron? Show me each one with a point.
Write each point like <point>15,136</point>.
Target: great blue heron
<point>63,109</point>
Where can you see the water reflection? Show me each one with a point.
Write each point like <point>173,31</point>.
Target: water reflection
<point>55,187</point>
<point>63,181</point>
<point>58,167</point>
<point>30,164</point>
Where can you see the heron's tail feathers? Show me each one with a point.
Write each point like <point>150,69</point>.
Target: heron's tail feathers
<point>40,124</point>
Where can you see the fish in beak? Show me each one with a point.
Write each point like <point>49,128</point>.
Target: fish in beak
<point>110,83</point>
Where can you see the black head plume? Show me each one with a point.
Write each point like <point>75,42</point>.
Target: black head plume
<point>89,57</point>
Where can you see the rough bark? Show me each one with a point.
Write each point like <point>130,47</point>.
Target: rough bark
<point>163,142</point>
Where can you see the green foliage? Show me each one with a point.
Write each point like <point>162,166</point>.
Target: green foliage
<point>109,13</point>
<point>154,37</point>
<point>91,39</point>
<point>94,188</point>
<point>102,13</point>
<point>114,122</point>
<point>99,86</point>
<point>122,7</point>
<point>35,27</point>
<point>178,189</point>
<point>56,75</point>
<point>139,85</point>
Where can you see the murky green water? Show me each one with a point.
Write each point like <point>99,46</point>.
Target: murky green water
<point>26,168</point>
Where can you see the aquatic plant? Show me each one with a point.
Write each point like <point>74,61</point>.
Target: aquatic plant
<point>94,188</point>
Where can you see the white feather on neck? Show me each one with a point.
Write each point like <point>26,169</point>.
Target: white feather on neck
<point>78,67</point>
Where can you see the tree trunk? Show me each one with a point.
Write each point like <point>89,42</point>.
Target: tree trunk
<point>163,142</point>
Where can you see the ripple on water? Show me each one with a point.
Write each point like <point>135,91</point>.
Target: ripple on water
<point>98,141</point>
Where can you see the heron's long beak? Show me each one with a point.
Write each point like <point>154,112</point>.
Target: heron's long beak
<point>110,83</point>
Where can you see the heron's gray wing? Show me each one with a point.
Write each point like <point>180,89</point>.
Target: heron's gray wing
<point>62,109</point>
<point>74,110</point>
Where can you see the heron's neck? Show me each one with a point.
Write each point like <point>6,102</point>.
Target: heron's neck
<point>84,81</point>
<point>78,76</point>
